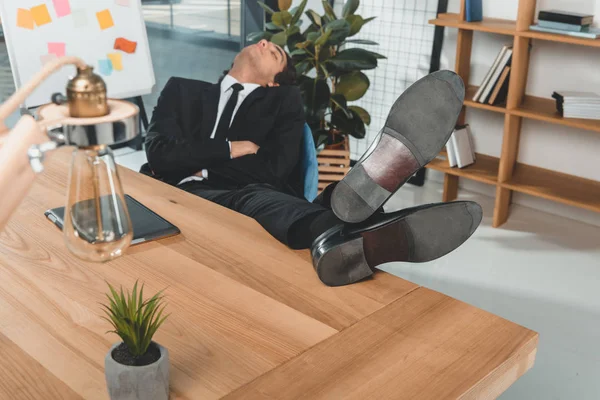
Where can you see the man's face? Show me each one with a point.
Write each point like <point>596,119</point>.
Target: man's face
<point>265,58</point>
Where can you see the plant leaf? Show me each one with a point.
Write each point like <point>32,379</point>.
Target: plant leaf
<point>315,93</point>
<point>340,101</point>
<point>329,10</point>
<point>272,26</point>
<point>282,18</point>
<point>377,55</point>
<point>353,59</point>
<point>351,126</point>
<point>362,113</point>
<point>362,41</point>
<point>350,7</point>
<point>284,4</point>
<point>320,137</point>
<point>340,29</point>
<point>353,85</point>
<point>255,37</point>
<point>265,7</point>
<point>303,45</point>
<point>313,36</point>
<point>323,38</point>
<point>356,23</point>
<point>314,18</point>
<point>298,52</point>
<point>297,12</point>
<point>303,67</point>
<point>279,39</point>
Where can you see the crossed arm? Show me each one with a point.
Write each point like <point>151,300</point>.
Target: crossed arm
<point>174,154</point>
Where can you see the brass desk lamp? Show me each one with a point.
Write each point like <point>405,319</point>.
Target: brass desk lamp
<point>97,226</point>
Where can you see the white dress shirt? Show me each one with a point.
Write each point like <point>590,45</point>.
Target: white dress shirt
<point>226,92</point>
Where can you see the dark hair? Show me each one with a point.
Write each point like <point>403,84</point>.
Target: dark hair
<point>287,77</point>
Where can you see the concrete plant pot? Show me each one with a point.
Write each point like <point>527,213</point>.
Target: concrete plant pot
<point>148,382</point>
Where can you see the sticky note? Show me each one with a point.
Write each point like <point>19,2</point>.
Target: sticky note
<point>125,45</point>
<point>62,8</point>
<point>106,67</point>
<point>24,19</point>
<point>57,48</point>
<point>46,58</point>
<point>40,15</point>
<point>117,61</point>
<point>105,19</point>
<point>124,3</point>
<point>79,18</point>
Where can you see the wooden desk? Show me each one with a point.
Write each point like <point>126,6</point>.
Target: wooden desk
<point>250,318</point>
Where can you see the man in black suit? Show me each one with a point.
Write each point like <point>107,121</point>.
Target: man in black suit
<point>238,143</point>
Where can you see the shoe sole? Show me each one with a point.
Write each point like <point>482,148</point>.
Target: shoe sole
<point>426,110</point>
<point>422,236</point>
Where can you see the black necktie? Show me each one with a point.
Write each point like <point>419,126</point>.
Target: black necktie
<point>225,120</point>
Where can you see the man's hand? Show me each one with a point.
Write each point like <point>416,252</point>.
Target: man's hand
<point>243,148</point>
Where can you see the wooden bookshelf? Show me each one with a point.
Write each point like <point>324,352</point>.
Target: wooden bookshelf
<point>505,172</point>
<point>490,25</point>
<point>545,110</point>
<point>556,186</point>
<point>470,93</point>
<point>485,170</point>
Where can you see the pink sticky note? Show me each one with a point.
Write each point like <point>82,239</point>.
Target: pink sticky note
<point>58,49</point>
<point>62,7</point>
<point>46,58</point>
<point>124,3</point>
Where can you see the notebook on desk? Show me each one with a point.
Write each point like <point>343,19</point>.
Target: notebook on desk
<point>147,225</point>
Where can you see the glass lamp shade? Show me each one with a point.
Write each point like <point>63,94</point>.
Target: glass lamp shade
<point>97,226</point>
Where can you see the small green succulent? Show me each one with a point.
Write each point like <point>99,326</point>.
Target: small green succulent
<point>134,319</point>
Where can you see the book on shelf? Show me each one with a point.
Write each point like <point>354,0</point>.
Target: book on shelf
<point>591,33</point>
<point>460,149</point>
<point>572,104</point>
<point>474,10</point>
<point>450,152</point>
<point>566,17</point>
<point>500,91</point>
<point>504,61</point>
<point>562,26</point>
<point>463,151</point>
<point>490,72</point>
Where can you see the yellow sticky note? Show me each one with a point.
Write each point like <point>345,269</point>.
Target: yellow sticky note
<point>40,15</point>
<point>117,61</point>
<point>105,19</point>
<point>24,19</point>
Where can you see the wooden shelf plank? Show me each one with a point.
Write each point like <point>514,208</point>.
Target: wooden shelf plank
<point>491,25</point>
<point>484,170</point>
<point>555,37</point>
<point>470,93</point>
<point>556,186</point>
<point>545,110</point>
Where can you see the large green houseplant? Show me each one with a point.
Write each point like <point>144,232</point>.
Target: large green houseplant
<point>330,76</point>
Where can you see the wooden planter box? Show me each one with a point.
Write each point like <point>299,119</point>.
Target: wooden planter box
<point>333,164</point>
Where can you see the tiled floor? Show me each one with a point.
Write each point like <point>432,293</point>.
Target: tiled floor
<point>538,270</point>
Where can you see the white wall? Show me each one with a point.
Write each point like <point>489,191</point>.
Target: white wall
<point>553,66</point>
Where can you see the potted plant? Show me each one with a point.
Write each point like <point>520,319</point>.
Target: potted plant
<point>137,367</point>
<point>330,75</point>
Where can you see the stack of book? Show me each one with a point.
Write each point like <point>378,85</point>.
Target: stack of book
<point>494,88</point>
<point>460,149</point>
<point>578,104</point>
<point>566,23</point>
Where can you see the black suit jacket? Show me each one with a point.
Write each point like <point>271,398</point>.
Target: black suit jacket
<point>178,143</point>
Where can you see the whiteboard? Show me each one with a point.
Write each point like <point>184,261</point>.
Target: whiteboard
<point>37,31</point>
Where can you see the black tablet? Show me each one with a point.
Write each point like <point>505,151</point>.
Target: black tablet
<point>147,225</point>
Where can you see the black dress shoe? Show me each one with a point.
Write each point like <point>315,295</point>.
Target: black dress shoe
<point>348,253</point>
<point>417,129</point>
